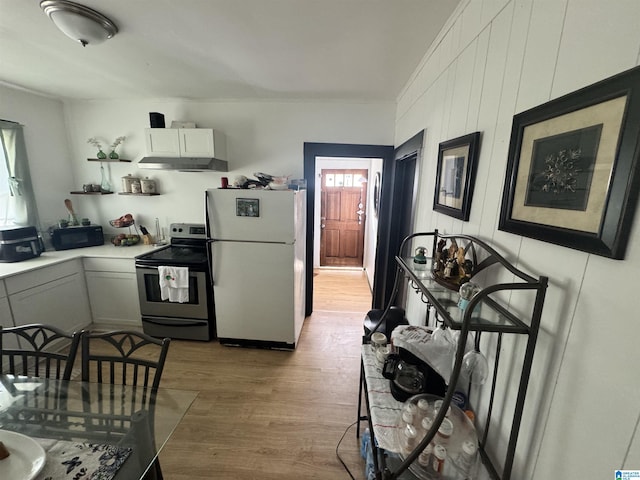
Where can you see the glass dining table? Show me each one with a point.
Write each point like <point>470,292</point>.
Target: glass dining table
<point>113,432</point>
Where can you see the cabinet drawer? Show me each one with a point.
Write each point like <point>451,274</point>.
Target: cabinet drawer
<point>27,280</point>
<point>95,264</point>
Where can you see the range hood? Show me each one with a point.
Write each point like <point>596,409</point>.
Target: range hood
<point>184,164</point>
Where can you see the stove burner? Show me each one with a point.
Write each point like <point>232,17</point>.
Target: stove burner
<point>188,248</point>
<point>179,254</point>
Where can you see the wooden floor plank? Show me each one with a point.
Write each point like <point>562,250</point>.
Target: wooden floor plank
<point>264,414</point>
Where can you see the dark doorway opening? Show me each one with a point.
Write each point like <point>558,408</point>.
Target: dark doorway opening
<point>401,178</point>
<point>313,150</point>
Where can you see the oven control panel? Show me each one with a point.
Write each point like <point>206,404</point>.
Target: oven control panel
<point>187,230</point>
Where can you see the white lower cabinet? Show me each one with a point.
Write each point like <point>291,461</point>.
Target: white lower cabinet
<point>54,295</point>
<point>113,292</point>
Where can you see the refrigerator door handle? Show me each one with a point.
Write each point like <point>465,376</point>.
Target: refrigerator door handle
<point>207,229</point>
<point>207,234</point>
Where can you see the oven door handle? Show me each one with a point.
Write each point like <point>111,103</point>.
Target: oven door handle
<point>178,323</point>
<point>192,273</point>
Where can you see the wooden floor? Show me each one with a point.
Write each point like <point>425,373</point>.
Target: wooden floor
<point>264,414</point>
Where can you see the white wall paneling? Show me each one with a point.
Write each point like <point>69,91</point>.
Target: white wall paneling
<point>582,409</point>
<point>597,42</point>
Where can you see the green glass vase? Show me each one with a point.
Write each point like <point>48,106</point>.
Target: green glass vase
<point>113,155</point>
<point>101,155</point>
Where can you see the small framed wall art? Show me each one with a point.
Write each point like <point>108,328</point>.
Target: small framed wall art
<point>572,168</point>
<point>455,175</point>
<point>247,207</point>
<point>376,193</point>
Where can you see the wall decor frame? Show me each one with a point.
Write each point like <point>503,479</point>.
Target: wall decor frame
<point>247,207</point>
<point>377,185</point>
<point>572,170</point>
<point>455,177</point>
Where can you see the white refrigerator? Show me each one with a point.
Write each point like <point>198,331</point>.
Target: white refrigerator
<point>257,243</point>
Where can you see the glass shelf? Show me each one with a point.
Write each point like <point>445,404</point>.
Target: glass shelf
<point>487,311</point>
<point>488,315</point>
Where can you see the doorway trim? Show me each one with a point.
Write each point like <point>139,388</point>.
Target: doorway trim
<point>398,190</point>
<point>348,151</point>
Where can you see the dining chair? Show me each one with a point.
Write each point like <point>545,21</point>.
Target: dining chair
<point>38,350</point>
<point>123,357</point>
<point>127,358</point>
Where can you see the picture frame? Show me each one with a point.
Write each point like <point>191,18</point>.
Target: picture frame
<point>247,207</point>
<point>377,184</point>
<point>572,169</point>
<point>455,175</point>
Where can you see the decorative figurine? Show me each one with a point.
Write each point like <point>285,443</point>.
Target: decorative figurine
<point>453,248</point>
<point>460,255</point>
<point>466,269</point>
<point>451,268</point>
<point>440,255</point>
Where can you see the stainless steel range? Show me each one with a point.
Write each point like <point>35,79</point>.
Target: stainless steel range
<point>193,319</point>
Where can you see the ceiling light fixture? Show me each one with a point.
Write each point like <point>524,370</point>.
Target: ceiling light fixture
<point>78,22</point>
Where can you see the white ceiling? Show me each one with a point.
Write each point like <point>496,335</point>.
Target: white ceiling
<point>225,49</point>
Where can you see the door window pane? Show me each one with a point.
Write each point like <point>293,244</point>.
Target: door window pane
<point>329,180</point>
<point>348,180</point>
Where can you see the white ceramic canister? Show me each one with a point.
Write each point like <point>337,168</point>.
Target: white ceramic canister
<point>127,181</point>
<point>148,185</point>
<point>136,187</point>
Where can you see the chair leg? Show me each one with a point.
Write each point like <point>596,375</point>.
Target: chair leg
<point>155,472</point>
<point>156,467</point>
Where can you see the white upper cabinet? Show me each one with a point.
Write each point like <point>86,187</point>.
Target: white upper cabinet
<point>162,142</point>
<point>185,142</point>
<point>196,142</point>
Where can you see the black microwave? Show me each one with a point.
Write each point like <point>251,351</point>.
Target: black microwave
<point>77,237</point>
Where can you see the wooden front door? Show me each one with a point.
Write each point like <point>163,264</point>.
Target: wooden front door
<point>342,217</point>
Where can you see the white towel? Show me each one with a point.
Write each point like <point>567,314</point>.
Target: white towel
<point>174,283</point>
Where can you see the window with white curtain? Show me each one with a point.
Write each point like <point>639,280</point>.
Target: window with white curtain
<point>7,205</point>
<point>17,201</point>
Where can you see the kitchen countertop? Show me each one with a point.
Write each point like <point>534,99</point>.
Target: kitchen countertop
<point>51,257</point>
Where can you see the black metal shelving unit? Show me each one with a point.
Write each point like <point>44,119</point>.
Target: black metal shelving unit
<point>484,313</point>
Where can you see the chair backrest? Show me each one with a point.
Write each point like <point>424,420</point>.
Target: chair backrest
<point>38,350</point>
<point>123,357</point>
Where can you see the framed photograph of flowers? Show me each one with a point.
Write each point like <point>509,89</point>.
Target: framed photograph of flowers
<point>455,175</point>
<point>572,172</point>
